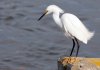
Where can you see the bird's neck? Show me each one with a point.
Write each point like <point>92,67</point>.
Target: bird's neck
<point>56,17</point>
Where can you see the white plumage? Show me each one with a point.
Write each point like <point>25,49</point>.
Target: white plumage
<point>71,25</point>
<point>75,27</point>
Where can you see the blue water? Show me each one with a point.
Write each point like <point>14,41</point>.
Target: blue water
<point>26,44</point>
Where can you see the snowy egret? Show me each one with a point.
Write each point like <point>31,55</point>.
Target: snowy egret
<point>71,25</point>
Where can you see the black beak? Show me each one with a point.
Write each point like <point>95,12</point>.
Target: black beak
<point>42,15</point>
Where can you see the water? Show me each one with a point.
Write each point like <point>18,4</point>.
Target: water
<point>26,44</point>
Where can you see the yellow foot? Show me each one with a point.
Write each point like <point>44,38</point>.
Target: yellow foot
<point>69,60</point>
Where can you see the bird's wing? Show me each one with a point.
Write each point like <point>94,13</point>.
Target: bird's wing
<point>75,27</point>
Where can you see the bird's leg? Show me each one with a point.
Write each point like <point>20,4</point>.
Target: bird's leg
<point>71,50</point>
<point>72,47</point>
<point>78,46</point>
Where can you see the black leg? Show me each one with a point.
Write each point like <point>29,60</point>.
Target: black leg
<point>78,46</point>
<point>72,47</point>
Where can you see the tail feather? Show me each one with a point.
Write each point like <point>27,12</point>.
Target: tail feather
<point>89,36</point>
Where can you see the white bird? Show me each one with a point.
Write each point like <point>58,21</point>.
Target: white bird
<point>71,25</point>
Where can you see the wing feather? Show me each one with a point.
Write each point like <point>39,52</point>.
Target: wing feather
<point>76,28</point>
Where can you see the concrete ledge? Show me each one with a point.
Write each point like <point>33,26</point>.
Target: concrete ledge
<point>79,63</point>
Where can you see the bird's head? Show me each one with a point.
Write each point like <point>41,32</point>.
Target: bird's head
<point>51,9</point>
